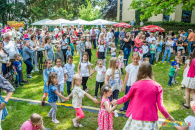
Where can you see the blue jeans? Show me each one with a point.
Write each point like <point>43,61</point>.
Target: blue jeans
<point>72,51</point>
<point>126,104</point>
<point>69,84</point>
<point>21,52</point>
<point>190,47</point>
<point>18,78</point>
<point>167,52</point>
<point>152,58</point>
<point>5,69</point>
<point>29,66</point>
<point>170,79</point>
<point>127,52</point>
<point>116,41</point>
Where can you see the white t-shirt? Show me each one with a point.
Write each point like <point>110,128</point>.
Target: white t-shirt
<point>110,35</point>
<point>120,58</point>
<point>101,48</point>
<point>100,77</point>
<point>56,31</point>
<point>78,94</point>
<point>149,39</point>
<point>133,71</point>
<point>64,42</point>
<point>191,121</point>
<point>114,83</point>
<point>88,44</point>
<point>84,70</point>
<point>113,53</point>
<point>145,49</point>
<point>60,71</point>
<point>109,44</point>
<point>64,29</point>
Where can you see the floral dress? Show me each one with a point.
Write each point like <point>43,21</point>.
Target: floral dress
<point>49,49</point>
<point>105,119</point>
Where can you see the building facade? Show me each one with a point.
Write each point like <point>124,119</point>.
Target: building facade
<point>123,14</point>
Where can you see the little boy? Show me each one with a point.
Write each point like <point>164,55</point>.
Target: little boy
<point>113,50</point>
<point>59,54</point>
<point>69,67</point>
<point>152,51</point>
<point>68,52</point>
<point>19,47</point>
<point>109,45</point>
<point>17,64</point>
<point>176,72</point>
<point>173,69</point>
<point>72,47</point>
<point>146,59</point>
<point>145,49</point>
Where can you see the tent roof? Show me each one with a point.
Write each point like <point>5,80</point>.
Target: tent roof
<point>57,22</point>
<point>101,22</point>
<point>41,22</point>
<point>78,21</point>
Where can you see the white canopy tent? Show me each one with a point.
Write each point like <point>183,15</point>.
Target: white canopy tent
<point>101,22</point>
<point>42,22</point>
<point>57,22</point>
<point>78,22</point>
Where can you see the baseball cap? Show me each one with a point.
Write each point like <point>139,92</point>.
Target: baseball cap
<point>173,63</point>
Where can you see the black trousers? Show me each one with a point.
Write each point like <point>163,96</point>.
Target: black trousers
<point>94,43</point>
<point>97,86</point>
<point>84,82</point>
<point>114,95</point>
<point>64,52</point>
<point>89,53</point>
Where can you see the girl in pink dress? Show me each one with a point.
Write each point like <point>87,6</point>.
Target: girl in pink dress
<point>105,116</point>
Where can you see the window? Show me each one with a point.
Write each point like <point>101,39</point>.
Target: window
<point>121,10</point>
<point>165,17</point>
<point>186,16</point>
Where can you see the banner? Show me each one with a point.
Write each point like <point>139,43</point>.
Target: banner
<point>11,23</point>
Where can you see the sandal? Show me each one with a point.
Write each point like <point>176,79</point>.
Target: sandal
<point>187,107</point>
<point>75,123</point>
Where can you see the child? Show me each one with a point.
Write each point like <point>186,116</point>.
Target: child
<point>159,44</point>
<point>183,56</point>
<point>145,49</point>
<point>19,47</point>
<point>173,69</point>
<point>109,46</point>
<point>77,45</point>
<point>140,51</point>
<point>69,67</point>
<point>34,123</point>
<point>83,69</point>
<point>68,52</point>
<point>174,45</point>
<point>72,48</point>
<point>113,50</point>
<point>114,79</point>
<point>78,94</point>
<point>152,51</point>
<point>17,65</point>
<point>26,36</point>
<point>146,59</point>
<point>47,69</point>
<point>121,61</point>
<point>62,76</point>
<point>49,52</point>
<point>100,76</point>
<point>81,47</point>
<point>101,51</point>
<point>131,76</point>
<point>105,116</point>
<point>53,95</point>
<point>59,54</point>
<point>88,48</point>
<point>176,72</point>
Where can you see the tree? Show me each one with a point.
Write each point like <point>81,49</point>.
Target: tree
<point>155,7</point>
<point>110,10</point>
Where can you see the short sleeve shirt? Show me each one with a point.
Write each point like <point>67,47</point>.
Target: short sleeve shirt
<point>84,70</point>
<point>78,94</point>
<point>133,71</point>
<point>63,43</point>
<point>101,48</point>
<point>60,71</point>
<point>18,65</point>
<point>52,95</point>
<point>56,31</point>
<point>172,71</point>
<point>184,35</point>
<point>114,83</point>
<point>122,34</point>
<point>153,47</point>
<point>27,125</point>
<point>113,53</point>
<point>70,71</point>
<point>190,120</point>
<point>100,74</point>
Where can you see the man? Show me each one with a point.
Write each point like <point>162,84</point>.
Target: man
<point>132,22</point>
<point>191,40</point>
<point>185,39</point>
<point>93,37</point>
<point>75,31</point>
<point>141,23</point>
<point>151,38</point>
<point>21,29</point>
<point>82,28</point>
<point>70,31</point>
<point>110,34</point>
<point>121,37</point>
<point>180,33</point>
<point>56,31</point>
<point>136,32</point>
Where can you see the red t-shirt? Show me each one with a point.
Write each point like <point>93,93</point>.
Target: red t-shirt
<point>76,33</point>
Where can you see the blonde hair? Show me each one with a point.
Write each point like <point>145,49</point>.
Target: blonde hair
<point>112,44</point>
<point>75,77</point>
<point>35,118</point>
<point>135,54</point>
<point>159,39</point>
<point>112,66</point>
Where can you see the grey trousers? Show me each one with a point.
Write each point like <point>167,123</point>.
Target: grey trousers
<point>157,55</point>
<point>174,77</point>
<point>53,110</point>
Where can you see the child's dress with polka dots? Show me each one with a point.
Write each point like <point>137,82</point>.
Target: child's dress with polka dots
<point>105,119</point>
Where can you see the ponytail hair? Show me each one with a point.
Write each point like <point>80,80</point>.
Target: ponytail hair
<point>104,89</point>
<point>75,77</point>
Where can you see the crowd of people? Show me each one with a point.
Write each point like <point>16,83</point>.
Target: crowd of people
<point>142,92</point>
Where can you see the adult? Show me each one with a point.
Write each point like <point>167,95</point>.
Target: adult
<point>146,98</point>
<point>141,23</point>
<point>121,37</point>
<point>18,34</point>
<point>127,47</point>
<point>33,44</point>
<point>110,34</point>
<point>133,30</point>
<point>151,38</point>
<point>191,41</point>
<point>80,33</point>
<point>132,22</point>
<point>93,37</point>
<point>21,29</point>
<point>136,32</point>
<point>168,46</point>
<point>63,43</point>
<point>56,30</point>
<point>185,38</point>
<point>147,34</point>
<point>97,32</point>
<point>116,35</point>
<point>172,33</point>
<point>138,42</point>
<point>70,31</point>
<point>75,31</point>
<point>3,60</point>
<point>180,33</point>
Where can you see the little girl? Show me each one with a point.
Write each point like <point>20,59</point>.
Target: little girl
<point>26,36</point>
<point>140,55</point>
<point>88,48</point>
<point>53,95</point>
<point>62,76</point>
<point>113,50</point>
<point>101,70</point>
<point>131,76</point>
<point>114,79</point>
<point>101,51</point>
<point>78,94</point>
<point>47,69</point>
<point>105,116</point>
<point>121,61</point>
<point>83,69</point>
<point>34,123</point>
<point>81,47</point>
<point>77,45</point>
<point>49,52</point>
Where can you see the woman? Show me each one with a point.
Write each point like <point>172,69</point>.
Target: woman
<point>73,38</point>
<point>80,33</point>
<point>179,44</point>
<point>116,34</point>
<point>33,44</point>
<point>4,63</point>
<point>127,47</point>
<point>168,46</point>
<point>146,98</point>
<point>138,42</point>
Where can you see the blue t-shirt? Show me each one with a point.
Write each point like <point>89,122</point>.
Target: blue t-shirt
<point>52,95</point>
<point>116,34</point>
<point>184,35</point>
<point>175,40</point>
<point>18,65</point>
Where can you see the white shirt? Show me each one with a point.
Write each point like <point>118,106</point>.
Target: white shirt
<point>120,58</point>
<point>60,71</point>
<point>133,71</point>
<point>11,49</point>
<point>56,31</point>
<point>115,83</point>
<point>63,42</point>
<point>145,49</point>
<point>100,77</point>
<point>114,52</point>
<point>88,44</point>
<point>191,121</point>
<point>149,39</point>
<point>110,35</point>
<point>101,48</point>
<point>78,94</point>
<point>64,29</point>
<point>84,70</point>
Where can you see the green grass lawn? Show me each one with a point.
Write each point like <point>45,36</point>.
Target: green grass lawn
<point>21,111</point>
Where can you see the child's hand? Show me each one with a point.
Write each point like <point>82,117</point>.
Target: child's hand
<point>170,118</point>
<point>66,99</point>
<point>90,77</point>
<point>65,79</point>
<point>95,100</point>
<point>123,89</point>
<point>114,102</point>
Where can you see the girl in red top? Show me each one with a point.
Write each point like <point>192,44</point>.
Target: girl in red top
<point>146,96</point>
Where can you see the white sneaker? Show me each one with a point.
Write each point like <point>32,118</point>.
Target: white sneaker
<point>55,121</point>
<point>32,71</point>
<point>115,114</point>
<point>36,70</point>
